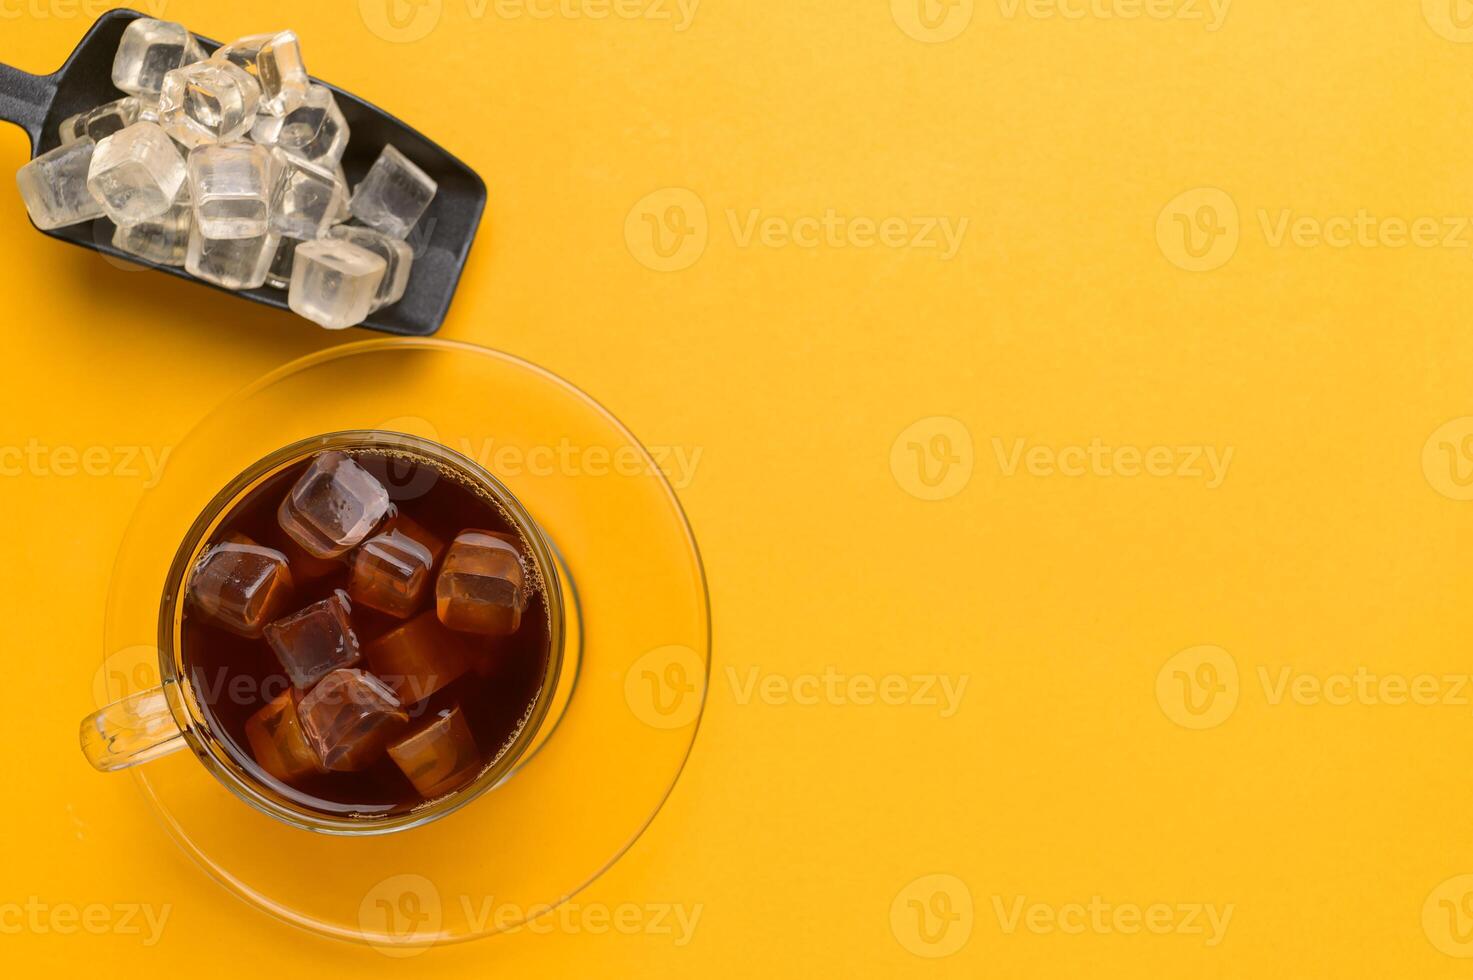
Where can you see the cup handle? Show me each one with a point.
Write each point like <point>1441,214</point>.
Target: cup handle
<point>137,729</point>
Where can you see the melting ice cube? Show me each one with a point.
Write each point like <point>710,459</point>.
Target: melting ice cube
<point>235,263</point>
<point>482,585</point>
<point>277,741</point>
<point>396,253</point>
<point>333,506</point>
<point>163,240</point>
<point>420,657</point>
<point>334,283</point>
<point>232,187</point>
<point>391,573</point>
<point>315,641</point>
<point>136,174</point>
<point>349,718</point>
<point>150,49</point>
<point>54,186</point>
<point>240,586</point>
<point>441,757</point>
<point>306,199</point>
<point>314,131</point>
<point>275,62</point>
<point>208,102</point>
<point>394,195</point>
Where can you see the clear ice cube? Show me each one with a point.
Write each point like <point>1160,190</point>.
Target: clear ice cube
<point>396,253</point>
<point>275,62</point>
<point>334,505</point>
<point>277,741</point>
<point>235,263</point>
<point>136,174</point>
<point>440,757</point>
<point>163,240</point>
<point>391,573</point>
<point>482,585</point>
<point>232,186</point>
<point>334,283</point>
<point>314,131</point>
<point>313,642</point>
<point>54,186</point>
<point>394,195</point>
<point>150,49</point>
<point>349,718</point>
<point>240,586</point>
<point>280,274</point>
<point>419,658</point>
<point>208,102</point>
<point>306,200</point>
<point>102,122</point>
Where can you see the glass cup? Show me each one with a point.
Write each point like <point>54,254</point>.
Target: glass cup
<point>165,719</point>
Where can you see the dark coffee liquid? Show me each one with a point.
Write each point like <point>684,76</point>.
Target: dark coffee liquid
<point>233,677</point>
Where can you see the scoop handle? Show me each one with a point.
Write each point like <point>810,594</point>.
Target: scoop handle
<point>25,99</point>
<point>137,729</point>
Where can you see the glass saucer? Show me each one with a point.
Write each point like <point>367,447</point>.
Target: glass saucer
<point>636,669</point>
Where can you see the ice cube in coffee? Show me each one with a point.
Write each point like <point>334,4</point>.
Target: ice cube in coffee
<point>278,743</point>
<point>482,587</point>
<point>333,507</point>
<point>350,718</point>
<point>313,642</point>
<point>439,758</point>
<point>391,573</point>
<point>240,586</point>
<point>420,657</point>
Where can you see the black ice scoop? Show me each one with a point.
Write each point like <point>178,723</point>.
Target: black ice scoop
<point>441,240</point>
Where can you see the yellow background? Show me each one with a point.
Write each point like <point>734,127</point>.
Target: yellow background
<point>1070,313</point>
